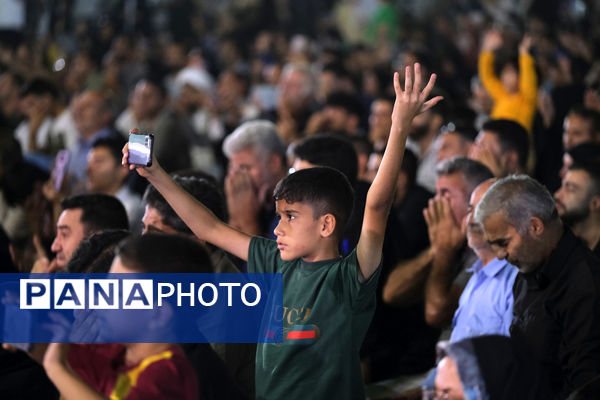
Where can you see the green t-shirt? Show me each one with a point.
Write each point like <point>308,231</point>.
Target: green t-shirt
<point>326,313</point>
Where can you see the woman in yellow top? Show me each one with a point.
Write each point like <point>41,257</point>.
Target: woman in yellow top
<point>514,91</point>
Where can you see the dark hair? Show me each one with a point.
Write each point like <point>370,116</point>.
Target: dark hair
<point>361,145</point>
<point>18,177</point>
<point>39,87</point>
<point>201,189</point>
<point>330,151</point>
<point>158,253</point>
<point>461,121</point>
<point>593,170</point>
<point>593,117</point>
<point>155,80</point>
<point>503,58</point>
<point>349,102</point>
<point>511,136</point>
<point>585,152</point>
<point>113,144</point>
<point>473,172</point>
<point>99,212</point>
<point>96,253</point>
<point>326,190</point>
<point>410,164</point>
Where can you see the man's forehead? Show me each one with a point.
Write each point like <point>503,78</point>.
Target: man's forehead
<point>70,217</point>
<point>247,155</point>
<point>496,224</point>
<point>578,177</point>
<point>453,181</point>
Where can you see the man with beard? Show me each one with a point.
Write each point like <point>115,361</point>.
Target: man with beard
<point>578,203</point>
<point>557,290</point>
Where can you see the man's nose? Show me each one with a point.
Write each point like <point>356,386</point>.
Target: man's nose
<point>56,247</point>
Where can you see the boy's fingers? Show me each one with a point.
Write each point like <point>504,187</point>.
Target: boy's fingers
<point>429,87</point>
<point>418,83</point>
<point>407,81</point>
<point>397,86</point>
<point>430,103</point>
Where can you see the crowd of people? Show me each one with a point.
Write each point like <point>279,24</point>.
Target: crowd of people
<point>467,134</point>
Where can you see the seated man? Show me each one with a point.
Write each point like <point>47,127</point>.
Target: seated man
<point>256,163</point>
<point>438,272</point>
<point>486,304</point>
<point>502,146</point>
<point>557,290</point>
<point>483,367</point>
<point>581,125</point>
<point>82,216</point>
<point>578,203</point>
<point>105,174</point>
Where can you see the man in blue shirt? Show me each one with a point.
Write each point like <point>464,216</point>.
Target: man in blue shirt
<point>486,304</point>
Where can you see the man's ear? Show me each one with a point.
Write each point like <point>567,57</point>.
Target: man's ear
<point>327,224</point>
<point>536,227</point>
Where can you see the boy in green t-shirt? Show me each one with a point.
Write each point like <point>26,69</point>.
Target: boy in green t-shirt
<point>328,301</point>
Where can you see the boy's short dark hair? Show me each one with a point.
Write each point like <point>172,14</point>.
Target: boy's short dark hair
<point>99,212</point>
<point>114,146</point>
<point>330,151</point>
<point>511,136</point>
<point>325,189</point>
<point>95,254</point>
<point>159,253</point>
<point>201,189</point>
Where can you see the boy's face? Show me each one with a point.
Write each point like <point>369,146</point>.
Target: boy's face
<point>298,232</point>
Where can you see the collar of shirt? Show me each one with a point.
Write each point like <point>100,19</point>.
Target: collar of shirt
<point>491,269</point>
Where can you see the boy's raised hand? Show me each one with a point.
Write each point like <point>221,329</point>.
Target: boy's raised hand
<point>412,100</point>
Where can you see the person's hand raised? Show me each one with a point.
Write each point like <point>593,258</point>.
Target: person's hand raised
<point>412,100</point>
<point>146,172</point>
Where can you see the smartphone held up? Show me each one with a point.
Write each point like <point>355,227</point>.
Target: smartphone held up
<point>141,149</point>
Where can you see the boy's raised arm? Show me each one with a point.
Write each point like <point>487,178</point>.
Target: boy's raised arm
<point>197,217</point>
<point>409,102</point>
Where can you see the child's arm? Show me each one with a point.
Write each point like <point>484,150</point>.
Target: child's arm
<point>491,41</point>
<point>198,218</point>
<point>527,77</point>
<point>66,381</point>
<point>409,103</point>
